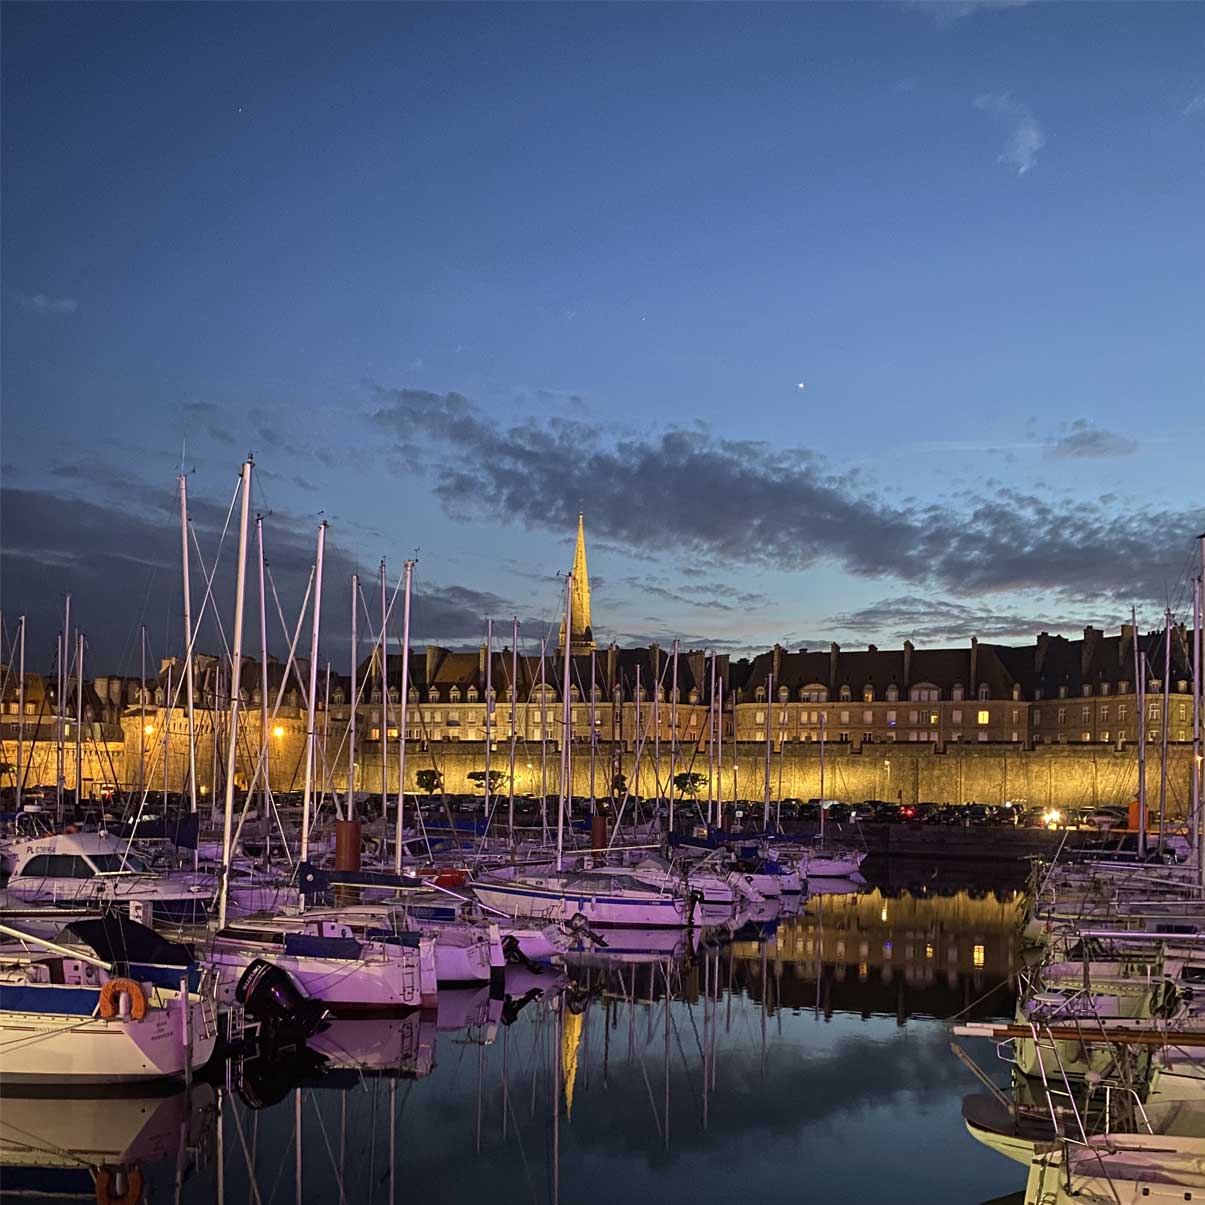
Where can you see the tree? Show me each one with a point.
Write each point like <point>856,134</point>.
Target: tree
<point>477,778</point>
<point>689,782</point>
<point>429,781</point>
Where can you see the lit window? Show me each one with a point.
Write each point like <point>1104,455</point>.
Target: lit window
<point>978,956</point>
<point>984,716</point>
<point>928,950</point>
<point>933,717</point>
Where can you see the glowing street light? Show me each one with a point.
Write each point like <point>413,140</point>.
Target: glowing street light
<point>278,731</point>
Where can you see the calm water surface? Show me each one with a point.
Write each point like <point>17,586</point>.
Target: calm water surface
<point>808,1061</point>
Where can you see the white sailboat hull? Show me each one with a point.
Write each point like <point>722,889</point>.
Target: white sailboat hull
<point>604,908</point>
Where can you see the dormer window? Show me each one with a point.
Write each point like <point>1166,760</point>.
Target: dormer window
<point>412,694</point>
<point>694,694</point>
<point>957,693</point>
<point>813,692</point>
<point>472,696</point>
<point>1123,687</point>
<point>433,694</point>
<point>1104,688</point>
<point>784,694</point>
<point>984,693</point>
<point>893,693</point>
<point>759,695</point>
<point>454,695</point>
<point>1062,692</point>
<point>1087,690</point>
<point>867,694</point>
<point>845,694</point>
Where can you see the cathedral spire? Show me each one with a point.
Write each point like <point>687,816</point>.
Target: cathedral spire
<point>581,638</point>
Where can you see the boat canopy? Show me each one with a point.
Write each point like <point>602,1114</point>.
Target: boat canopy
<point>117,939</point>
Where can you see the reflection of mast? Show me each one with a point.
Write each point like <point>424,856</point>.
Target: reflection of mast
<point>665,1110</point>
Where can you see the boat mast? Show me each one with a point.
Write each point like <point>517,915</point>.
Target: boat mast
<point>823,718</point>
<point>1198,639</point>
<point>636,773</point>
<point>236,656</point>
<point>1167,715</point>
<point>264,743</point>
<point>192,734</point>
<point>673,739</point>
<point>489,708</point>
<point>1140,697</point>
<point>658,679</point>
<point>407,571</point>
<point>765,813</point>
<point>79,722</point>
<point>514,731</point>
<point>142,712</point>
<point>543,749</point>
<point>719,757</point>
<point>21,714</point>
<point>62,703</point>
<point>384,680</point>
<point>711,743</point>
<point>351,721</point>
<point>312,698</point>
<point>593,731</point>
<point>167,732</point>
<point>566,792</point>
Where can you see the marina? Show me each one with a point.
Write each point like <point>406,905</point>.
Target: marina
<point>602,604</point>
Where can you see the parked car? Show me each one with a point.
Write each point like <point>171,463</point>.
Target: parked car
<point>1106,818</point>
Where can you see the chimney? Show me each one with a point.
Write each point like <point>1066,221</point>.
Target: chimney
<point>1043,648</point>
<point>433,651</point>
<point>1127,638</point>
<point>834,652</point>
<point>1087,651</point>
<point>481,659</point>
<point>872,648</point>
<point>974,667</point>
<point>908,650</point>
<point>655,662</point>
<point>777,671</point>
<point>612,650</point>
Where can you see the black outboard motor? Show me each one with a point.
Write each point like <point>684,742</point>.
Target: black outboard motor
<point>270,996</point>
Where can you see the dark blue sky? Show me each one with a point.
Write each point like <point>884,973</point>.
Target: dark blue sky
<point>621,237</point>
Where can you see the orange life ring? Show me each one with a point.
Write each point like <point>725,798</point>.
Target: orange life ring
<point>113,988</point>
<point>105,1181</point>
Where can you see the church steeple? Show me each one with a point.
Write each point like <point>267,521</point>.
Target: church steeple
<point>581,639</point>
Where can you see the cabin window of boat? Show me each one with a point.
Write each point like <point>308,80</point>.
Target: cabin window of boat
<point>112,863</point>
<point>57,866</point>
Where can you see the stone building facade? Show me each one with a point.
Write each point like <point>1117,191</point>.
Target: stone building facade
<point>1035,721</point>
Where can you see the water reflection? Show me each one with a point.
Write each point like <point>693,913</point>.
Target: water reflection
<point>801,1055</point>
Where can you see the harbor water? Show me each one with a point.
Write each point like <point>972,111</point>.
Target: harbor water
<point>804,1057</point>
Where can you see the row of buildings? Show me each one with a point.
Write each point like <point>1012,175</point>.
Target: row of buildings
<point>1053,692</point>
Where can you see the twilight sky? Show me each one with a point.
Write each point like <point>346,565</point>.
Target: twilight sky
<point>847,322</point>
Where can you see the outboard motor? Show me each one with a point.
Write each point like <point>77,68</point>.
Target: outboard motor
<point>270,996</point>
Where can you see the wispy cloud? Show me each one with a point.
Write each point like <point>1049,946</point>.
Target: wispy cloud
<point>949,12</point>
<point>782,507</point>
<point>43,303</point>
<point>1026,137</point>
<point>930,620</point>
<point>1083,441</point>
<point>1194,106</point>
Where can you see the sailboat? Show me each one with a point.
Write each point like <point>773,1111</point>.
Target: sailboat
<point>110,1001</point>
